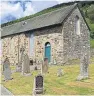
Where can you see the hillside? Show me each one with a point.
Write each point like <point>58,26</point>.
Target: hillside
<point>87,8</point>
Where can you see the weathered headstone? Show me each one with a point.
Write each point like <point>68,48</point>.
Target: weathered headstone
<point>36,68</point>
<point>19,66</point>
<point>7,69</point>
<point>44,68</point>
<point>84,62</point>
<point>54,62</point>
<point>26,65</point>
<point>38,85</point>
<point>60,72</point>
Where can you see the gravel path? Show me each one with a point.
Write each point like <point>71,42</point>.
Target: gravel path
<point>4,91</point>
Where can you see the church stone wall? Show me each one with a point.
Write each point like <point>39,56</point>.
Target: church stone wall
<point>11,47</point>
<point>53,35</point>
<point>74,44</point>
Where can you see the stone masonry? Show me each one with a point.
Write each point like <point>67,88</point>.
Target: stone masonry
<point>52,35</point>
<point>11,47</point>
<point>72,43</point>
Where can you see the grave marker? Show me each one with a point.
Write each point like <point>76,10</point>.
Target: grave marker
<point>44,68</point>
<point>19,66</point>
<point>60,72</point>
<point>84,62</point>
<point>26,65</point>
<point>7,69</point>
<point>38,84</point>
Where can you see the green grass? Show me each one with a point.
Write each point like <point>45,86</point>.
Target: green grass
<point>65,85</point>
<point>92,43</point>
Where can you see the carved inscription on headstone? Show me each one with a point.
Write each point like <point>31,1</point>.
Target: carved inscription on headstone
<point>38,84</point>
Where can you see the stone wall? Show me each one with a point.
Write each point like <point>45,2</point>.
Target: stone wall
<point>11,47</point>
<point>73,43</point>
<point>53,35</point>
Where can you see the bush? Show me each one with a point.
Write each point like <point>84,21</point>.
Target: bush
<point>92,35</point>
<point>90,13</point>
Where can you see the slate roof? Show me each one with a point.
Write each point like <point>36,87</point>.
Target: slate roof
<point>48,19</point>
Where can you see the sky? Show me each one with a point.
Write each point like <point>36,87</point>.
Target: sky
<point>15,9</point>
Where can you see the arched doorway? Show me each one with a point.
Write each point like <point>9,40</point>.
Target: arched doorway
<point>48,51</point>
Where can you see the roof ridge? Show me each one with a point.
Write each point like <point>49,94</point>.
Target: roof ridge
<point>48,19</point>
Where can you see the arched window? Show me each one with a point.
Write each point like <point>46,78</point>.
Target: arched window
<point>77,25</point>
<point>47,44</point>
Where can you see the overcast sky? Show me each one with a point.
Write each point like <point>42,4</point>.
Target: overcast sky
<point>14,9</point>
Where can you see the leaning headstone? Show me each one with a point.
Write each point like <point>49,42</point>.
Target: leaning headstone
<point>45,66</point>
<point>7,70</point>
<point>60,72</point>
<point>26,65</point>
<point>38,85</point>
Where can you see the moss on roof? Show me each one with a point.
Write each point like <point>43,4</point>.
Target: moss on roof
<point>44,20</point>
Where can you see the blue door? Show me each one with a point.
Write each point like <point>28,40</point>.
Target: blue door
<point>48,51</point>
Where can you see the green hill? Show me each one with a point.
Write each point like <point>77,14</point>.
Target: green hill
<point>88,11</point>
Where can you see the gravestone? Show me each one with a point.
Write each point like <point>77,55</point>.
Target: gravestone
<point>60,72</point>
<point>26,65</point>
<point>36,68</point>
<point>54,62</point>
<point>7,69</point>
<point>38,84</point>
<point>44,68</point>
<point>19,66</point>
<point>84,63</point>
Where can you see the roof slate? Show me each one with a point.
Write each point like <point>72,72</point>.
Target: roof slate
<point>48,19</point>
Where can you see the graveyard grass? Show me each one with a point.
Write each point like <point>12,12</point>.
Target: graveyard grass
<point>53,85</point>
<point>92,43</point>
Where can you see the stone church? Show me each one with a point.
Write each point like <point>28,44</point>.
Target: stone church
<point>59,35</point>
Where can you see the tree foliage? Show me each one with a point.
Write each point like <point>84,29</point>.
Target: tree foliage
<point>90,13</point>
